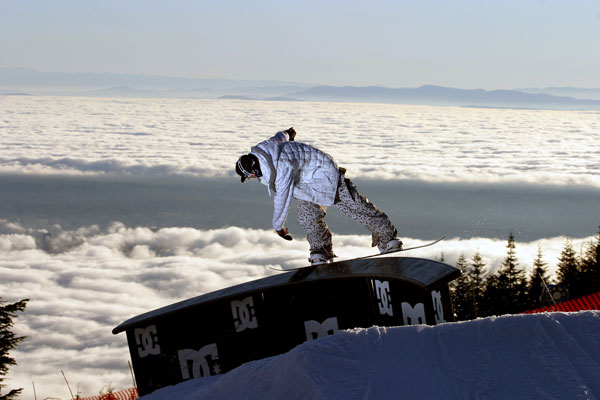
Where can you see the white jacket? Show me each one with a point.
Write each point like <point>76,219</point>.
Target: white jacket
<point>292,169</point>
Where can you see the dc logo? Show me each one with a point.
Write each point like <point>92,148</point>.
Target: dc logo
<point>413,315</point>
<point>384,299</point>
<point>438,309</point>
<point>200,363</point>
<point>315,330</point>
<point>146,340</point>
<point>244,314</point>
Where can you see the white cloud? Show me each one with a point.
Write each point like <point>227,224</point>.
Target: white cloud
<point>379,141</point>
<point>16,242</point>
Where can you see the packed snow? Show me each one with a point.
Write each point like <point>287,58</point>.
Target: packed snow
<point>538,356</point>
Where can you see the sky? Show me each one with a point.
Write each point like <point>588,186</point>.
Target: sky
<point>467,44</point>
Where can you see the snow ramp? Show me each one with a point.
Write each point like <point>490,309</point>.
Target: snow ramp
<point>539,356</point>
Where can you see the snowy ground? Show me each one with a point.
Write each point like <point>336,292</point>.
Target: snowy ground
<point>541,356</point>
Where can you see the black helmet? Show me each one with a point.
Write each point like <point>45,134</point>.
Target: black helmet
<point>247,165</point>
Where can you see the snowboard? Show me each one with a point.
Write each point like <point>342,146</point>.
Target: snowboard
<point>365,257</point>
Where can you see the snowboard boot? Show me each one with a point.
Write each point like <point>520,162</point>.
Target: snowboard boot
<point>391,246</point>
<point>318,259</point>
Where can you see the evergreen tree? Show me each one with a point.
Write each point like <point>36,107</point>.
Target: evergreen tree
<point>441,258</point>
<point>460,291</point>
<point>590,267</point>
<point>537,282</point>
<point>491,304</point>
<point>477,274</point>
<point>511,283</point>
<point>568,272</point>
<point>8,341</point>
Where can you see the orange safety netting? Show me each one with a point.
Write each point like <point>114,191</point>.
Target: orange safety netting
<point>128,394</point>
<point>590,302</point>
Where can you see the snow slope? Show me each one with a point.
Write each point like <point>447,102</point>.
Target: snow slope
<point>539,356</point>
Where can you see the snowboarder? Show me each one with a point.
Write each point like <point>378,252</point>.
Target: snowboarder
<point>293,169</point>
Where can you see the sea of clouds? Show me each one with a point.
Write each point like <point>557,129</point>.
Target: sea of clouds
<point>99,203</point>
<point>378,141</point>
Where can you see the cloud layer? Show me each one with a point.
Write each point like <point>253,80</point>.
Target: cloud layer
<point>84,282</point>
<point>204,137</point>
<point>85,273</point>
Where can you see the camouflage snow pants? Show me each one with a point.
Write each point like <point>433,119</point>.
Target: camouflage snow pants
<point>353,205</point>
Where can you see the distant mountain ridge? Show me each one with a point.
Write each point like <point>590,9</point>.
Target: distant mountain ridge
<point>26,80</point>
<point>439,95</point>
<point>31,77</point>
<point>579,93</point>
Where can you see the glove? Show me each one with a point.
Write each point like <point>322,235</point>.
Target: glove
<point>292,133</point>
<point>284,234</point>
